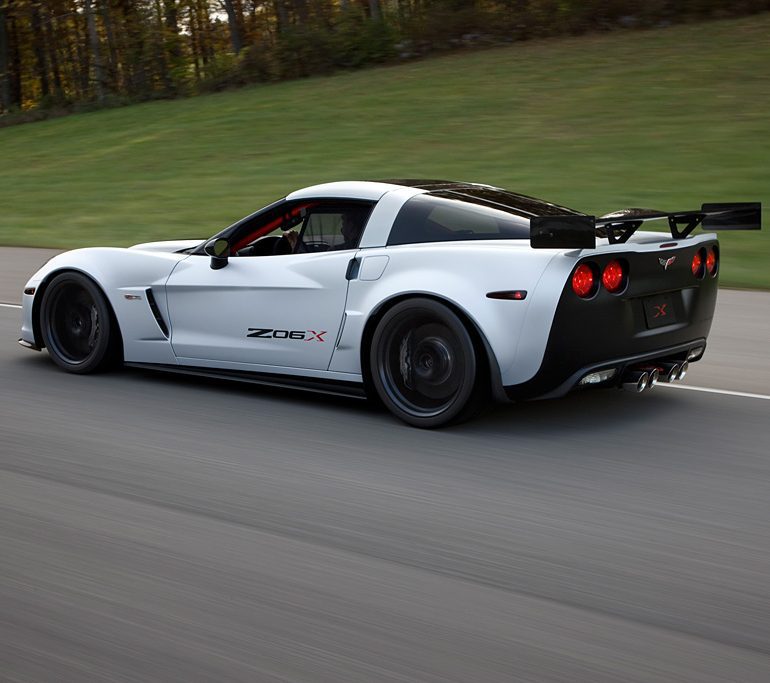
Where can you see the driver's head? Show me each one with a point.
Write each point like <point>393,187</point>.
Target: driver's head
<point>353,225</point>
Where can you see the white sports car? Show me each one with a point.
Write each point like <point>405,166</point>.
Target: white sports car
<point>429,295</point>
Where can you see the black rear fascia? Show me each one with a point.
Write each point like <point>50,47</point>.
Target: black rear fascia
<point>610,330</point>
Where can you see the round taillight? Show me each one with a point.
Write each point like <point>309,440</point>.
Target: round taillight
<point>584,281</point>
<point>697,263</point>
<point>711,261</point>
<point>614,277</point>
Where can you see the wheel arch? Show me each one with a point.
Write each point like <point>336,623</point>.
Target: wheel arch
<point>487,356</point>
<point>37,302</point>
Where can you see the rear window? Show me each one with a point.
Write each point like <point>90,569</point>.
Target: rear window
<point>433,218</point>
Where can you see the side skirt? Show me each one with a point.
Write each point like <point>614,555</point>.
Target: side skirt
<point>312,384</point>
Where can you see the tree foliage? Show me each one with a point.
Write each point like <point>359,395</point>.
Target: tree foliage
<point>64,55</point>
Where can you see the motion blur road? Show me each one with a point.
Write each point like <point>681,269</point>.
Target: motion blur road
<point>155,528</point>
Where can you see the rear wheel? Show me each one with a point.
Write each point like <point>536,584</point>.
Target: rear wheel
<point>424,365</point>
<point>77,325</point>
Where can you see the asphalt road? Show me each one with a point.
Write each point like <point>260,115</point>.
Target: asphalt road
<point>171,529</point>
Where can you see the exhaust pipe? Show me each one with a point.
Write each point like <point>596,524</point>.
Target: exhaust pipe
<point>641,378</point>
<point>652,370</point>
<point>636,380</point>
<point>670,372</point>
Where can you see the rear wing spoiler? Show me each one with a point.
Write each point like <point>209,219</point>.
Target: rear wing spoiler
<point>580,232</point>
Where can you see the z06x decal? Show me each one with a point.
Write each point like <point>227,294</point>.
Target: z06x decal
<point>298,335</point>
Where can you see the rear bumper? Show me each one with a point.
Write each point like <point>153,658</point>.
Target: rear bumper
<point>616,330</point>
<point>541,386</point>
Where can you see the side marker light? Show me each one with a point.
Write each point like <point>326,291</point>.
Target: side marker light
<point>514,295</point>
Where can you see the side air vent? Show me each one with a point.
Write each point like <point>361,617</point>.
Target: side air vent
<point>156,312</point>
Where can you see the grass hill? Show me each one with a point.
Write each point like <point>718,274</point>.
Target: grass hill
<point>666,119</point>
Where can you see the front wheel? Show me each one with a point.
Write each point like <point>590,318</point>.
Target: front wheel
<point>77,325</point>
<point>424,365</point>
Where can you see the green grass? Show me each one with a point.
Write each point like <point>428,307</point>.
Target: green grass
<point>665,119</point>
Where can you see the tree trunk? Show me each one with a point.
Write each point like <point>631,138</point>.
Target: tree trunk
<point>38,48</point>
<point>301,11</point>
<point>93,41</point>
<point>282,15</point>
<point>77,55</point>
<point>235,29</point>
<point>171,15</point>
<point>5,62</point>
<point>375,12</point>
<point>15,62</point>
<point>171,20</point>
<point>160,50</point>
<point>194,42</point>
<point>204,24</point>
<point>113,63</point>
<point>134,49</point>
<point>51,44</point>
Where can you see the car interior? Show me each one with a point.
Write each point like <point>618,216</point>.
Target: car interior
<point>302,228</point>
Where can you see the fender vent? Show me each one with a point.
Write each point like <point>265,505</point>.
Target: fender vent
<point>156,312</point>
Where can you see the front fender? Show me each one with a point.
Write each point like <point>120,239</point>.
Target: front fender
<point>119,273</point>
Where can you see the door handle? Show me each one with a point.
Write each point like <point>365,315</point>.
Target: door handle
<point>353,267</point>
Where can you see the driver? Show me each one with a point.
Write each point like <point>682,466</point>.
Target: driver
<point>351,229</point>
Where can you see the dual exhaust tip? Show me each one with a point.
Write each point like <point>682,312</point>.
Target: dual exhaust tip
<point>640,379</point>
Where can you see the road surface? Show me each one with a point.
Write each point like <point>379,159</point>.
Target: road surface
<point>155,528</point>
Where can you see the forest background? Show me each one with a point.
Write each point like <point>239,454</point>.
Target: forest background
<point>58,56</point>
<point>593,105</point>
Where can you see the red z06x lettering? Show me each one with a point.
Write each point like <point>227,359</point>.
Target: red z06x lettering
<point>297,335</point>
<point>660,311</point>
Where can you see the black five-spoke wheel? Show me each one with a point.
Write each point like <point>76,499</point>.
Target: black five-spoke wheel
<point>424,365</point>
<point>76,324</point>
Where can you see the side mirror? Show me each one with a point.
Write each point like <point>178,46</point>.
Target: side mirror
<point>219,250</point>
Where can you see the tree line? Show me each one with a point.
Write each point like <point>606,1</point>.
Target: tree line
<point>69,54</point>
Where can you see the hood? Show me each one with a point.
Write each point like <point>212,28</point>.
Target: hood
<point>170,246</point>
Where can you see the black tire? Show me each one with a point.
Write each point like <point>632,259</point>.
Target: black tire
<point>424,365</point>
<point>77,325</point>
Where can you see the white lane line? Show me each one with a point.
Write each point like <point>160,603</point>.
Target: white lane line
<point>10,305</point>
<point>709,390</point>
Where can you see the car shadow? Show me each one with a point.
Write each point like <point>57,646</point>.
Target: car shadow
<point>579,413</point>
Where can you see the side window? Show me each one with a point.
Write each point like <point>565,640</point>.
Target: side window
<point>323,230</point>
<point>305,226</point>
<point>431,218</point>
<point>258,234</point>
<point>334,227</point>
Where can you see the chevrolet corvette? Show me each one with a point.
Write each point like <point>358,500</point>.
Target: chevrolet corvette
<point>429,296</point>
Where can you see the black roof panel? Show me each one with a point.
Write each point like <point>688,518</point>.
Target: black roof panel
<point>487,194</point>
